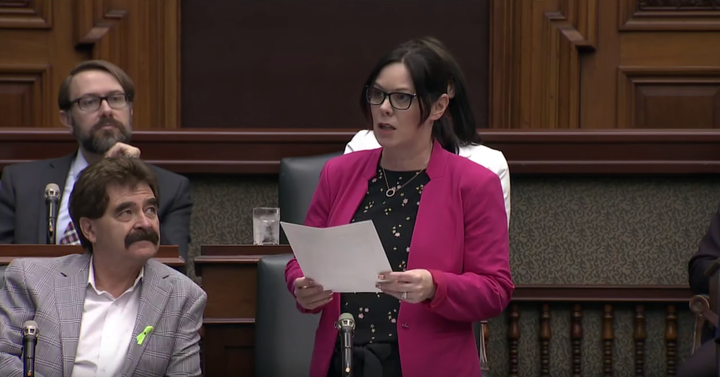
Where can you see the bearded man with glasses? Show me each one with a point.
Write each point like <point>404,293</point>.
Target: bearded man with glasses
<point>96,105</point>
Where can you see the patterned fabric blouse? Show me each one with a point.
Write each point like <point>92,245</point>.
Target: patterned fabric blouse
<point>394,219</point>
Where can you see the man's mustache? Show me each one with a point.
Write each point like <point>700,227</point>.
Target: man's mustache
<point>107,122</point>
<point>143,234</point>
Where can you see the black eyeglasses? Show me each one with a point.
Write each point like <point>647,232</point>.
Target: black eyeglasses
<point>398,100</point>
<point>92,103</point>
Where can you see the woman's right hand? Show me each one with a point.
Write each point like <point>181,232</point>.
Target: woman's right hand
<point>311,295</point>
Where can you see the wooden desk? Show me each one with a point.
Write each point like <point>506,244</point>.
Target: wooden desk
<point>169,255</point>
<point>229,276</point>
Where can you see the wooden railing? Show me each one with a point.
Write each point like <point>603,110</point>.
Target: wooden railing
<point>545,295</point>
<point>230,314</point>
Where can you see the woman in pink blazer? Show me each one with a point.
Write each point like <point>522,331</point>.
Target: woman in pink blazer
<point>441,220</point>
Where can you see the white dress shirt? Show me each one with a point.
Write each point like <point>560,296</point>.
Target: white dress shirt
<point>490,158</point>
<point>106,330</point>
<point>63,220</point>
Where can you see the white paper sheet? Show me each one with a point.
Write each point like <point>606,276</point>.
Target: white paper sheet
<point>346,258</point>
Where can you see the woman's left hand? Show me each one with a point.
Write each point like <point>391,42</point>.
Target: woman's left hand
<point>412,286</point>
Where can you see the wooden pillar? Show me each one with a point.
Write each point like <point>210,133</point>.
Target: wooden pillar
<point>513,339</point>
<point>608,336</point>
<point>639,334</point>
<point>576,334</point>
<point>545,335</point>
<point>671,340</point>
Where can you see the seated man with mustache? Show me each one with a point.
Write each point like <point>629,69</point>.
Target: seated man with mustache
<point>96,104</point>
<point>114,310</point>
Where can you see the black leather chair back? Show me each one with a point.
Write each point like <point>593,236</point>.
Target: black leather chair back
<point>298,180</point>
<point>284,337</point>
<point>2,276</point>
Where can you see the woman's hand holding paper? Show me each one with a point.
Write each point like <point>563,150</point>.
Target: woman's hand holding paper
<point>310,295</point>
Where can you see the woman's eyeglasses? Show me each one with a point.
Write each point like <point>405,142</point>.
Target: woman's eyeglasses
<point>398,100</point>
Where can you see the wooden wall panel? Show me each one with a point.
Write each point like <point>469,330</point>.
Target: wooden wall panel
<point>26,14</point>
<point>228,349</point>
<point>42,40</point>
<point>143,38</point>
<point>669,15</point>
<point>605,64</point>
<point>683,97</point>
<point>24,88</point>
<point>259,64</point>
<point>536,49</point>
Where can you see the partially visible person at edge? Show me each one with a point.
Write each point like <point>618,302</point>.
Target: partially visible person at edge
<point>441,220</point>
<point>464,126</point>
<point>703,362</point>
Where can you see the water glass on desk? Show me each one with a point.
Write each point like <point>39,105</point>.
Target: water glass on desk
<point>266,226</point>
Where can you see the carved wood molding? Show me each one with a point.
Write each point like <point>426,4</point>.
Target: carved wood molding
<point>566,33</point>
<point>679,4</point>
<point>26,14</point>
<point>684,5</point>
<point>669,15</point>
<point>93,22</point>
<point>143,38</point>
<point>601,152</point>
<point>630,77</point>
<point>602,293</point>
<point>503,111</point>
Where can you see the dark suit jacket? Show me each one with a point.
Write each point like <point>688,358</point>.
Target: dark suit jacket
<point>707,253</point>
<point>22,205</point>
<point>702,363</point>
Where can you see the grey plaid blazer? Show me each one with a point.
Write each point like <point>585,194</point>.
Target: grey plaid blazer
<point>51,292</point>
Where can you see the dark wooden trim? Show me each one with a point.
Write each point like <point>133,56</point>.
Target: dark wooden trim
<point>172,262</point>
<point>605,293</point>
<point>527,151</point>
<point>167,254</point>
<point>222,260</point>
<point>217,250</point>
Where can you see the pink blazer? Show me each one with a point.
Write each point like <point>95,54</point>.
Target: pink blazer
<point>460,236</point>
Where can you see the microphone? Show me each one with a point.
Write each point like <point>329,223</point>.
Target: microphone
<point>346,325</point>
<point>30,336</point>
<point>52,199</point>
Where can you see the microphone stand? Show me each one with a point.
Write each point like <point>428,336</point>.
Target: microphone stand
<point>51,234</point>
<point>346,326</point>
<point>347,354</point>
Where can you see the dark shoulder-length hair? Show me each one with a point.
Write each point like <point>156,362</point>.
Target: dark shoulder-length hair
<point>433,71</point>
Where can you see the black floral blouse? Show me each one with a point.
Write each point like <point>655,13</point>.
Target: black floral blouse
<point>394,219</point>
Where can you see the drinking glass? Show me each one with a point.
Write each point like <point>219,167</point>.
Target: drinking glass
<point>266,226</point>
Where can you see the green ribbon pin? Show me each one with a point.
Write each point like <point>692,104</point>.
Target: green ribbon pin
<point>141,337</point>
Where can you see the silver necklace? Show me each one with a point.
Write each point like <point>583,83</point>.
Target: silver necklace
<point>390,192</point>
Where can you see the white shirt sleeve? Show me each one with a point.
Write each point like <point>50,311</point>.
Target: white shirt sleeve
<point>363,140</point>
<point>494,161</point>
